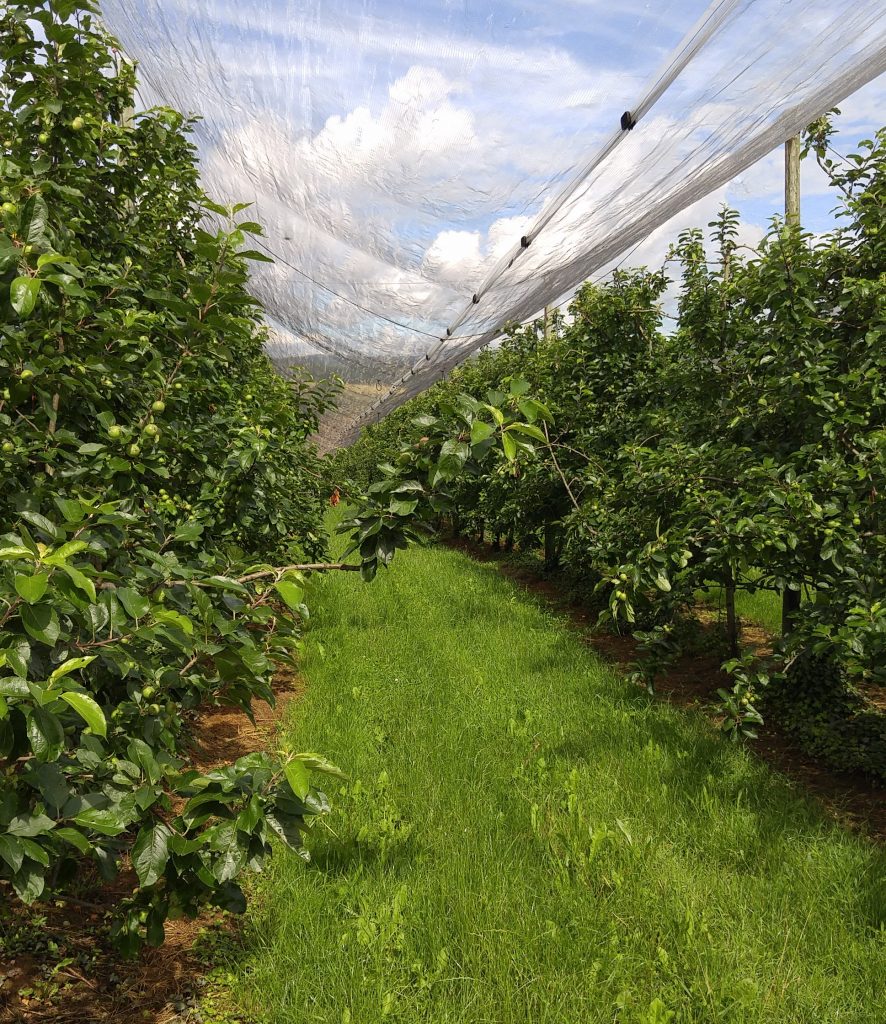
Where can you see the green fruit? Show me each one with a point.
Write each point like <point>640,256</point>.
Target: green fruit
<point>152,430</point>
<point>26,375</point>
<point>134,451</point>
<point>77,124</point>
<point>43,138</point>
<point>21,40</point>
<point>621,595</point>
<point>178,385</point>
<point>158,406</point>
<point>149,691</point>
<point>8,447</point>
<point>9,208</point>
<point>154,709</point>
<point>115,432</point>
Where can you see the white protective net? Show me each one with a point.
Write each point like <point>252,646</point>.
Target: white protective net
<point>427,172</point>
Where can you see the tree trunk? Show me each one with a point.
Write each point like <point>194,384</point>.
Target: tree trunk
<point>552,548</point>
<point>732,624</point>
<point>496,542</point>
<point>790,603</point>
<point>509,541</point>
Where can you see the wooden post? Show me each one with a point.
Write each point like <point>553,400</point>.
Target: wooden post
<point>549,322</point>
<point>790,599</point>
<point>792,180</point>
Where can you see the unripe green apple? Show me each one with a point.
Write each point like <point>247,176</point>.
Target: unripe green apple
<point>134,451</point>
<point>152,430</point>
<point>154,709</point>
<point>8,447</point>
<point>43,138</point>
<point>158,406</point>
<point>26,375</point>
<point>621,595</point>
<point>77,124</point>
<point>149,691</point>
<point>9,208</point>
<point>115,432</point>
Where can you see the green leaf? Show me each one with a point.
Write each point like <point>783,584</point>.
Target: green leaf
<point>292,593</point>
<point>151,852</point>
<point>51,783</point>
<point>75,838</point>
<point>318,763</point>
<point>80,581</point>
<point>88,710</point>
<point>41,622</point>
<point>481,431</point>
<point>108,822</point>
<point>399,507</point>
<point>31,588</point>
<point>17,552</point>
<point>12,851</point>
<point>188,531</point>
<point>71,665</point>
<point>530,430</point>
<point>23,294</point>
<point>29,882</point>
<point>45,733</point>
<point>137,606</point>
<point>43,524</point>
<point>298,777</point>
<point>509,445</point>
<point>64,551</point>
<point>30,825</point>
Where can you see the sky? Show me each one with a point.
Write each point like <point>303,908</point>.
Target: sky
<point>397,150</point>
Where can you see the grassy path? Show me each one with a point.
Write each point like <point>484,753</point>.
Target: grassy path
<point>526,839</point>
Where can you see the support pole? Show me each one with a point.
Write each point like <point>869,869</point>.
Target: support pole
<point>792,180</point>
<point>790,599</point>
<point>547,334</point>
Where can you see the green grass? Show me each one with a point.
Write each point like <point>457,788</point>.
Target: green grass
<point>762,608</point>
<point>527,839</point>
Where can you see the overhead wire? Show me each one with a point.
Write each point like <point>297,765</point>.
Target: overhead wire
<point>694,40</point>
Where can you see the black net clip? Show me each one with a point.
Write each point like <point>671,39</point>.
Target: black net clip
<point>627,121</point>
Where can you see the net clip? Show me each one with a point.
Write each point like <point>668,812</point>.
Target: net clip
<point>627,121</point>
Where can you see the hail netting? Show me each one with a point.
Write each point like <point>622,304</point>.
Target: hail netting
<point>397,153</point>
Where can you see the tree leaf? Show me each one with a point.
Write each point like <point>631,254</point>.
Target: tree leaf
<point>41,621</point>
<point>31,588</point>
<point>136,605</point>
<point>108,822</point>
<point>81,581</point>
<point>45,733</point>
<point>11,851</point>
<point>292,593</point>
<point>23,294</point>
<point>71,665</point>
<point>298,777</point>
<point>151,852</point>
<point>88,710</point>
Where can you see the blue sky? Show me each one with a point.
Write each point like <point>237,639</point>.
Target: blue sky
<point>397,149</point>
